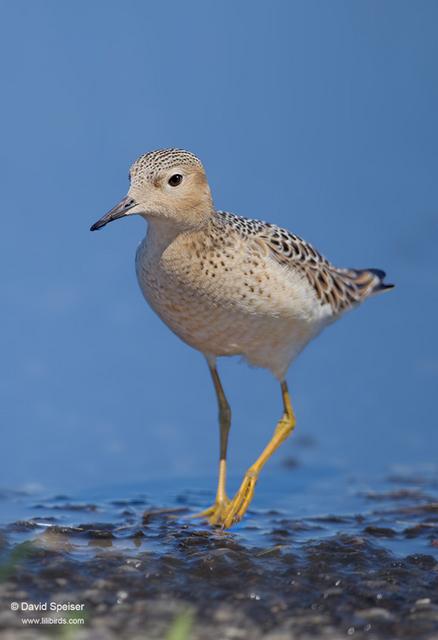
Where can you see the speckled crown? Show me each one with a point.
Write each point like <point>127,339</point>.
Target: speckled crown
<point>155,161</point>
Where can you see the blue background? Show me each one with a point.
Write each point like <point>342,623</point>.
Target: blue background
<point>320,116</point>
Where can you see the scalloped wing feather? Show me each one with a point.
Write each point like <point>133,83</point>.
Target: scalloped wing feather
<point>340,288</point>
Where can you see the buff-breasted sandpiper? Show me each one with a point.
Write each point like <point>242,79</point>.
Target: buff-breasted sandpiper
<point>228,285</point>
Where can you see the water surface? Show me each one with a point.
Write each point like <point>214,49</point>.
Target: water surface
<point>319,553</point>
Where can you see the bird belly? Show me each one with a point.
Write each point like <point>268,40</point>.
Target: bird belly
<point>268,328</point>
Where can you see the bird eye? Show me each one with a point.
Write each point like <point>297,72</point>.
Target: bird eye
<point>175,180</point>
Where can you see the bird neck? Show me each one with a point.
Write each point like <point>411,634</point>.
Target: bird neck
<point>163,231</point>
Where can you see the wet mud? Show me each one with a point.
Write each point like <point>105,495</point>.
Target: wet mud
<point>367,572</point>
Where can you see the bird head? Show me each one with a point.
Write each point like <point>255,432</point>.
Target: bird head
<point>168,184</point>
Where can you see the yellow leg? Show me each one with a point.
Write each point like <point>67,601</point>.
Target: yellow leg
<point>239,504</point>
<point>216,511</point>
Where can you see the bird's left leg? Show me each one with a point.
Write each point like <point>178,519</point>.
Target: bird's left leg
<point>239,504</point>
<point>216,511</point>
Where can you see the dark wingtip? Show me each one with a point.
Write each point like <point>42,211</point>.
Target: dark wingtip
<point>378,272</point>
<point>381,285</point>
<point>97,225</point>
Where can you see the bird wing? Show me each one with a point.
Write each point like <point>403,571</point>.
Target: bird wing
<point>339,288</point>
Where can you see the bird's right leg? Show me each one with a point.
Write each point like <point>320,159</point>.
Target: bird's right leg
<point>216,511</point>
<point>239,504</point>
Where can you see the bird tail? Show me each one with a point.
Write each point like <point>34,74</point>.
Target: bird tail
<point>370,281</point>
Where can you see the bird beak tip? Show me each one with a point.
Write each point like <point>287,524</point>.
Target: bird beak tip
<point>119,211</point>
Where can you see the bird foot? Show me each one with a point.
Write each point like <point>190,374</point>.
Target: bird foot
<point>215,513</point>
<point>238,506</point>
<point>224,513</point>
